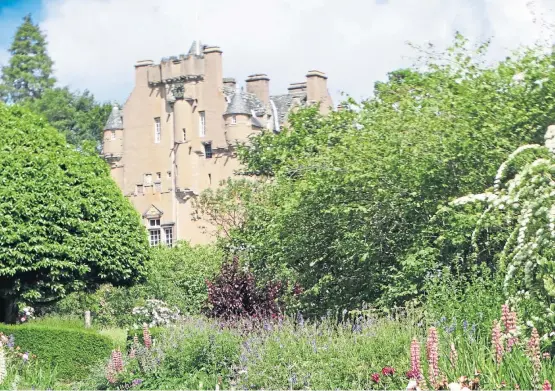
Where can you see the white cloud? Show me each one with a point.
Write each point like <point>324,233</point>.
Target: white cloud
<point>95,43</point>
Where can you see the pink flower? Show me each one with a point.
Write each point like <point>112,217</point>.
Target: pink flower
<point>546,385</point>
<point>117,361</point>
<point>509,320</point>
<point>432,353</point>
<point>415,367</point>
<point>534,350</point>
<point>388,371</point>
<point>413,374</point>
<point>111,373</point>
<point>497,344</point>
<point>453,356</point>
<point>375,377</point>
<point>147,339</point>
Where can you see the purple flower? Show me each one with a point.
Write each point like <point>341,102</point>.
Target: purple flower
<point>136,382</point>
<point>25,356</point>
<point>11,341</point>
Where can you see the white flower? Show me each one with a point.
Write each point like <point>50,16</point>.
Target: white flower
<point>454,387</point>
<point>519,76</point>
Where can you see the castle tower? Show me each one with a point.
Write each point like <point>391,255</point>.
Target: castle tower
<point>112,144</point>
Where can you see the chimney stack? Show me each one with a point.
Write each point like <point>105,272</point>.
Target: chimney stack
<point>259,85</point>
<point>317,90</point>
<point>141,72</point>
<point>295,88</point>
<point>230,82</point>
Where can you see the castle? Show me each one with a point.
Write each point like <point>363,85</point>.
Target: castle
<point>176,134</point>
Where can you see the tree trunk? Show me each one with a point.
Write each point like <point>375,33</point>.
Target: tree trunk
<point>8,310</point>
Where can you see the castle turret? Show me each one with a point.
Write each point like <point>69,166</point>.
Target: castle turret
<point>112,143</point>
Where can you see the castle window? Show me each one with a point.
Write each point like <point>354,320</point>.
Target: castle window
<point>184,134</point>
<point>158,175</point>
<point>169,174</point>
<point>157,130</point>
<point>154,231</point>
<point>208,150</point>
<point>233,120</point>
<point>113,135</point>
<point>202,123</point>
<point>158,187</point>
<point>154,237</point>
<point>168,233</point>
<point>140,190</point>
<point>148,179</point>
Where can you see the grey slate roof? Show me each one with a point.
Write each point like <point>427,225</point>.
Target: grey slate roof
<point>284,102</point>
<point>255,122</point>
<point>244,103</point>
<point>115,120</point>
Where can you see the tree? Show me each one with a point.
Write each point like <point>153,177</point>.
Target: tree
<point>29,72</point>
<point>64,224</point>
<point>225,207</point>
<point>74,114</point>
<point>351,221</point>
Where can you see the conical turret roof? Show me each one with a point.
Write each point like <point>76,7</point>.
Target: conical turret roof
<point>115,120</point>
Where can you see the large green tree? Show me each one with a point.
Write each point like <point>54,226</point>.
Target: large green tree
<point>29,71</point>
<point>64,224</point>
<point>77,115</point>
<point>349,212</point>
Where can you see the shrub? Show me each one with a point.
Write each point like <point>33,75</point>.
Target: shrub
<point>234,294</point>
<point>155,313</point>
<point>71,351</point>
<point>175,275</point>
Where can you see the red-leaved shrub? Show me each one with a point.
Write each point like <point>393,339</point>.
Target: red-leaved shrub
<point>234,294</point>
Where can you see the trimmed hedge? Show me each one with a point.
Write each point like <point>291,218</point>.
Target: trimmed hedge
<point>72,351</point>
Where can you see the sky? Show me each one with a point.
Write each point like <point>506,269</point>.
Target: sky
<point>95,43</point>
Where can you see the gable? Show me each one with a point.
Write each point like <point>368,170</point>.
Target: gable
<point>153,212</point>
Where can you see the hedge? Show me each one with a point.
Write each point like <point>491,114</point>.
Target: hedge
<point>71,351</point>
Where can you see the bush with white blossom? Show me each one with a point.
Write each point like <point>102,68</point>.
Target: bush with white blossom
<point>526,203</point>
<point>155,313</point>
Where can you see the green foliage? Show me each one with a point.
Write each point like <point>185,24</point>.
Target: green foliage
<point>326,356</point>
<point>178,275</point>
<point>29,72</point>
<point>74,114</point>
<point>350,211</point>
<point>65,225</point>
<point>27,375</point>
<point>72,352</point>
<point>470,304</point>
<point>225,207</point>
<point>175,275</point>
<point>188,356</point>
